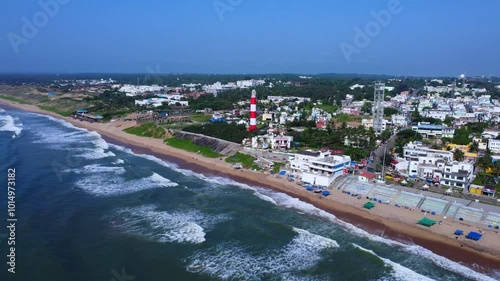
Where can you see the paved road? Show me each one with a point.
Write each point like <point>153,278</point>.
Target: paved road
<point>379,152</point>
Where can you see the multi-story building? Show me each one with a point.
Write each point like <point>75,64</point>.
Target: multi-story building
<point>319,168</point>
<point>434,130</point>
<point>425,162</point>
<point>494,145</point>
<point>399,120</point>
<point>458,174</point>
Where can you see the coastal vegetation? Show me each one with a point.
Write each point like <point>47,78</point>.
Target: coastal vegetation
<point>9,98</point>
<point>356,141</point>
<point>247,161</point>
<point>147,130</point>
<point>200,117</point>
<point>58,110</point>
<point>189,145</point>
<point>226,131</point>
<point>277,167</point>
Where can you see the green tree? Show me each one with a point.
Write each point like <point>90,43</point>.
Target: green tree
<point>484,162</point>
<point>448,120</point>
<point>474,147</point>
<point>386,134</point>
<point>458,155</point>
<point>367,107</point>
<point>388,159</point>
<point>389,111</point>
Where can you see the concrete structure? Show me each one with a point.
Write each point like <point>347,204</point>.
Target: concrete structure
<point>366,177</point>
<point>319,168</point>
<point>494,145</point>
<point>434,130</point>
<point>253,112</point>
<point>425,163</point>
<point>399,121</point>
<point>274,142</point>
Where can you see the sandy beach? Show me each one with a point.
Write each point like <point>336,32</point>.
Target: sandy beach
<point>383,220</point>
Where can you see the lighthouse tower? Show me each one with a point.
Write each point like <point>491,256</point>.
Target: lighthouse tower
<point>253,112</point>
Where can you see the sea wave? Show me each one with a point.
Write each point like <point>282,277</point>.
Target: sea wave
<point>399,272</point>
<point>442,262</point>
<point>218,181</point>
<point>10,125</point>
<point>91,144</point>
<point>103,185</point>
<point>160,226</point>
<point>97,168</point>
<point>229,261</point>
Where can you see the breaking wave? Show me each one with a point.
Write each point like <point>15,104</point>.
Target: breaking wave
<point>10,125</point>
<point>399,272</point>
<point>161,226</point>
<point>102,185</point>
<point>229,261</point>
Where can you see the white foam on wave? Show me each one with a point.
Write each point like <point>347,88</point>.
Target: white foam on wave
<point>90,143</point>
<point>104,185</point>
<point>119,161</point>
<point>399,272</point>
<point>229,261</point>
<point>442,262</point>
<point>219,181</point>
<point>2,110</point>
<point>284,200</point>
<point>97,168</point>
<point>10,125</point>
<point>160,226</point>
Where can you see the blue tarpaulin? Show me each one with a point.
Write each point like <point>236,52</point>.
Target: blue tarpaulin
<point>325,192</point>
<point>282,173</point>
<point>309,187</point>
<point>474,236</point>
<point>459,232</point>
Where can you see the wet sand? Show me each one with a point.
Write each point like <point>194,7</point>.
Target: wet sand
<point>384,220</point>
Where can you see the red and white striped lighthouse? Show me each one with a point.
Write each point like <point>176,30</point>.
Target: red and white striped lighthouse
<point>253,112</point>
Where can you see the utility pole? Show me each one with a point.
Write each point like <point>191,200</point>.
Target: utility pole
<point>383,162</point>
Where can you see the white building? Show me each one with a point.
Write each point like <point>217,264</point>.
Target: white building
<point>399,120</point>
<point>275,142</point>
<point>319,168</point>
<point>368,123</point>
<point>458,174</point>
<point>437,114</point>
<point>425,162</point>
<point>494,145</point>
<point>133,90</point>
<point>434,130</point>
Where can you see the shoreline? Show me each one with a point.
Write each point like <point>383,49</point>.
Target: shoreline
<point>374,222</point>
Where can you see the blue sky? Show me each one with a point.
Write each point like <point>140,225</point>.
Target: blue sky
<point>423,38</point>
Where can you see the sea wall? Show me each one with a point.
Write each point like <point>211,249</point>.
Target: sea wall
<point>221,146</point>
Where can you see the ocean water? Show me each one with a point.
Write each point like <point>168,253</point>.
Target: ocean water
<point>92,210</point>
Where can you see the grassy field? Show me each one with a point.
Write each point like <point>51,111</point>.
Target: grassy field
<point>340,118</point>
<point>57,110</point>
<point>14,99</point>
<point>328,107</point>
<point>188,145</point>
<point>147,130</point>
<point>277,167</point>
<point>200,117</point>
<point>245,160</point>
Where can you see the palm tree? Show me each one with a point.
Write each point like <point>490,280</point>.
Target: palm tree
<point>474,147</point>
<point>458,155</point>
